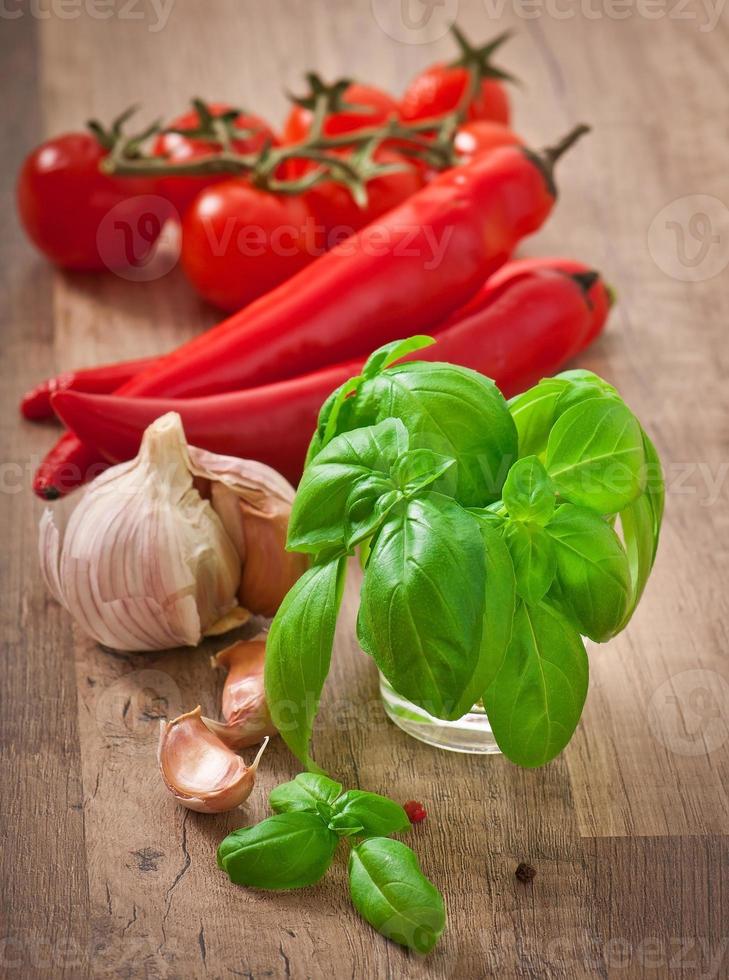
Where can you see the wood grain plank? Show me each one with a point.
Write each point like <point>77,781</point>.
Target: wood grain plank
<point>620,829</point>
<point>43,923</point>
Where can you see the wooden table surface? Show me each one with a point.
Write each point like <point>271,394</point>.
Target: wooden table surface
<point>103,875</point>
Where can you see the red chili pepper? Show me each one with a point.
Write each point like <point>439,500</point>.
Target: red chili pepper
<point>600,295</point>
<point>531,326</point>
<point>105,379</point>
<point>418,263</point>
<point>102,380</point>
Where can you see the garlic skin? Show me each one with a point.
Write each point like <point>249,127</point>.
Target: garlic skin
<point>244,707</point>
<point>150,558</point>
<point>269,570</point>
<point>200,771</point>
<point>257,524</point>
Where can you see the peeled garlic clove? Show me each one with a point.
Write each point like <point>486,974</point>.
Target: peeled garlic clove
<point>200,771</point>
<point>244,708</point>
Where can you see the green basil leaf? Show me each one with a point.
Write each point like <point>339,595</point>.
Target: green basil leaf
<point>422,599</point>
<point>289,850</point>
<point>533,557</point>
<point>319,518</point>
<point>582,375</point>
<point>377,815</point>
<point>417,469</point>
<point>368,504</point>
<point>325,811</point>
<point>334,404</point>
<point>536,699</point>
<point>528,491</point>
<point>339,402</point>
<point>449,410</point>
<point>533,413</point>
<point>498,616</point>
<point>384,356</point>
<point>391,892</point>
<point>494,515</point>
<point>582,385</point>
<point>595,455</point>
<point>641,526</point>
<point>345,825</point>
<point>655,489</point>
<point>636,522</point>
<point>592,571</point>
<point>304,792</point>
<point>299,651</point>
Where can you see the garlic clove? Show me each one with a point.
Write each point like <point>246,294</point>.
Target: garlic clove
<point>200,771</point>
<point>269,571</point>
<point>254,504</point>
<point>244,707</point>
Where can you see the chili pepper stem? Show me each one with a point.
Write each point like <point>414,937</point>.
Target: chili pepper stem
<point>585,280</point>
<point>552,153</point>
<point>548,157</point>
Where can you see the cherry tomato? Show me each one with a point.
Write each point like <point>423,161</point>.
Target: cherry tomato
<point>238,242</point>
<point>377,107</point>
<point>336,211</point>
<point>63,199</point>
<point>475,138</point>
<point>179,148</point>
<point>440,89</point>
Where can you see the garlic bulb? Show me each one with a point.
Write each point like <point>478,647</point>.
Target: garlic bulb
<point>200,771</point>
<point>154,554</point>
<point>244,708</point>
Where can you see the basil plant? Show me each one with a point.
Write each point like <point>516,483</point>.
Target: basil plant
<point>494,536</point>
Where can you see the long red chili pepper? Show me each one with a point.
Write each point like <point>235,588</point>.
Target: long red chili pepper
<point>102,380</point>
<point>105,379</point>
<point>530,329</point>
<point>415,265</point>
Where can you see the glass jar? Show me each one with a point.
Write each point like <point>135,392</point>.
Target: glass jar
<point>471,733</point>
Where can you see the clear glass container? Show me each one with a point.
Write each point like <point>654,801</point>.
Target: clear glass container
<point>471,733</point>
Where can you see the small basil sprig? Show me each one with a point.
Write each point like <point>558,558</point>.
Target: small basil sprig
<point>493,538</point>
<point>295,847</point>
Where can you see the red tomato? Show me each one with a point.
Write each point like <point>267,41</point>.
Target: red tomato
<point>63,199</point>
<point>239,242</point>
<point>377,108</point>
<point>440,88</point>
<point>475,138</point>
<point>334,207</point>
<point>179,149</point>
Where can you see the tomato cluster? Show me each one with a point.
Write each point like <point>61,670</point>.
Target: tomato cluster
<point>239,240</point>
